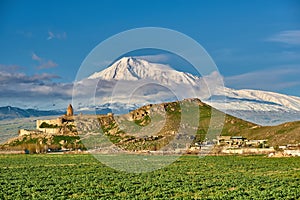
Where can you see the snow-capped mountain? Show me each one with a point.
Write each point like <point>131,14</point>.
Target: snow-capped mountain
<point>261,107</point>
<point>132,69</point>
<point>247,99</point>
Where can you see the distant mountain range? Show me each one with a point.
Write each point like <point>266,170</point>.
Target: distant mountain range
<point>261,107</point>
<point>9,112</point>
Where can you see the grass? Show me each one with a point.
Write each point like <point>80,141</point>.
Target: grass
<point>189,177</point>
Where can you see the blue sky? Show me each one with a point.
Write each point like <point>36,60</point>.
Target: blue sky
<point>255,44</point>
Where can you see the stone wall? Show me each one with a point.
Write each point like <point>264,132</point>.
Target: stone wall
<point>23,132</point>
<point>49,130</point>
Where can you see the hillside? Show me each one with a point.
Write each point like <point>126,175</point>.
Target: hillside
<point>161,126</point>
<point>287,133</point>
<point>149,130</point>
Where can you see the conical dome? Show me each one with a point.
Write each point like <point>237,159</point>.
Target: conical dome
<point>70,110</point>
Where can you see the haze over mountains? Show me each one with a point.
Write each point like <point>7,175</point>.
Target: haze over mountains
<point>9,112</point>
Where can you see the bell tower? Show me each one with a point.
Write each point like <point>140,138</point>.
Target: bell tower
<point>70,110</point>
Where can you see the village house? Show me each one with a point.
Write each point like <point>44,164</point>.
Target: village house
<point>231,141</point>
<point>239,141</point>
<point>256,143</point>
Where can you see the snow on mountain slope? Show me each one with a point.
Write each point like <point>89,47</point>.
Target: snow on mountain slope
<point>275,99</point>
<point>261,107</point>
<point>257,100</point>
<point>132,69</point>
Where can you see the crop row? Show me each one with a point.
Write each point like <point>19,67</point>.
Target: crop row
<point>190,177</point>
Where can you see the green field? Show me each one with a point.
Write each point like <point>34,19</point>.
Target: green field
<point>190,177</point>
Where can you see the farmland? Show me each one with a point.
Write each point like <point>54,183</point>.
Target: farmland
<point>190,177</point>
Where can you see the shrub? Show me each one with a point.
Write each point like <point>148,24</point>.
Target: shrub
<point>46,125</point>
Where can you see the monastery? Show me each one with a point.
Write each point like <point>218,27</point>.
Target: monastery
<point>59,125</point>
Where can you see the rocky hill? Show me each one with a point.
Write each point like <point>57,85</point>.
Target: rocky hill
<point>155,126</point>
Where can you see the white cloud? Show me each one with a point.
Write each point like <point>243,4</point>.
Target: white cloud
<point>291,37</point>
<point>269,79</point>
<point>8,78</point>
<point>36,57</point>
<point>43,64</point>
<point>50,35</point>
<point>10,68</point>
<point>39,89</point>
<point>47,64</point>
<point>60,36</point>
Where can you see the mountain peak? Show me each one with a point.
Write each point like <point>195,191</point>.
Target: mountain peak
<point>132,69</point>
<point>127,59</point>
